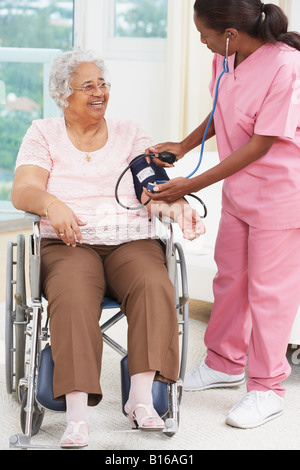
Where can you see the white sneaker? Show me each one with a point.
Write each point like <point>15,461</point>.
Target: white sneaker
<point>255,409</point>
<point>203,378</point>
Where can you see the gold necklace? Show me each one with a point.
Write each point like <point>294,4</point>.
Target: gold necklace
<point>87,154</point>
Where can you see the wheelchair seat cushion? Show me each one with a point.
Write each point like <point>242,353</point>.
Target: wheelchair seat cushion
<point>110,303</point>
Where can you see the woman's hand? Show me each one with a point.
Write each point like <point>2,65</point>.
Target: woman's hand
<point>190,222</point>
<point>171,191</point>
<point>65,223</point>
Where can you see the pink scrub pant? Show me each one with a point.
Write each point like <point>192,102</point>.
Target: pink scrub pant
<point>257,297</point>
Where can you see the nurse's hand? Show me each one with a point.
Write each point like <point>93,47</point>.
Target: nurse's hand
<point>171,191</point>
<point>175,148</point>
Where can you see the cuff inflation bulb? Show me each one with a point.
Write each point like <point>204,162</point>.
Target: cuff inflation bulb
<point>165,157</point>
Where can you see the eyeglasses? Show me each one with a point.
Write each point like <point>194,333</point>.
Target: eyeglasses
<point>92,88</point>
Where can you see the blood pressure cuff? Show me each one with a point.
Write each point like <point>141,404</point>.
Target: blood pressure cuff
<point>144,173</point>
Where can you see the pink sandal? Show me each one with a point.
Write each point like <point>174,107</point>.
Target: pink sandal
<point>149,422</point>
<point>73,438</point>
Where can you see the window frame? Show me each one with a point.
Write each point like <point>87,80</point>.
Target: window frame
<point>140,49</point>
<point>35,56</point>
<point>150,49</point>
<point>86,14</point>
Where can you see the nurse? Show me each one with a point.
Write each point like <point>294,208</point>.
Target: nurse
<point>257,126</point>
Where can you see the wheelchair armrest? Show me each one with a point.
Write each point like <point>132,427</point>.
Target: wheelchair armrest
<point>32,217</point>
<point>163,228</point>
<point>162,225</point>
<point>164,219</point>
<point>34,255</point>
<point>35,237</point>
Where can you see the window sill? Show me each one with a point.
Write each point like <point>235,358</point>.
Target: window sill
<point>15,225</point>
<point>147,49</point>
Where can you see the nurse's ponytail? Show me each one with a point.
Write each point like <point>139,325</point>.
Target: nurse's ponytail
<point>274,27</point>
<point>266,22</point>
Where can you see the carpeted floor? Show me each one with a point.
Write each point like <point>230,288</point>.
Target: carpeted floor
<point>202,414</point>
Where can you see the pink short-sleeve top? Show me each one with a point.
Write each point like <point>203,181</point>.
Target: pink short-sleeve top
<point>262,96</point>
<point>88,188</point>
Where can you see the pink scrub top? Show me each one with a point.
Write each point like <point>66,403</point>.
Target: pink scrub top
<point>262,96</point>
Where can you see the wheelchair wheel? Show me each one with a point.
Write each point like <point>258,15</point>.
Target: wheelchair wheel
<point>15,317</point>
<point>172,418</point>
<point>37,416</point>
<point>181,298</point>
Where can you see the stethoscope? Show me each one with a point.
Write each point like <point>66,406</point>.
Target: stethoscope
<point>225,70</point>
<point>170,158</point>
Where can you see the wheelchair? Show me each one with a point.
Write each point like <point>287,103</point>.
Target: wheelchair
<point>25,336</point>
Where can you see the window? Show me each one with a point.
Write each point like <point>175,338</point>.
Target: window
<point>32,32</point>
<point>142,19</point>
<point>137,29</point>
<point>36,23</point>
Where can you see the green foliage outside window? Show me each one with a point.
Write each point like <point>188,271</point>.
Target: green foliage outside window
<point>26,24</point>
<point>141,18</point>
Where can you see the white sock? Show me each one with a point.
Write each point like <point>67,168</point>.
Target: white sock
<point>141,388</point>
<point>77,411</point>
<point>77,407</point>
<point>141,393</point>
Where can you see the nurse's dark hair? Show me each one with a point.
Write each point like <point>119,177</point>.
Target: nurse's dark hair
<point>266,22</point>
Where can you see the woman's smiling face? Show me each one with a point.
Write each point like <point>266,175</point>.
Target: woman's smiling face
<point>82,104</point>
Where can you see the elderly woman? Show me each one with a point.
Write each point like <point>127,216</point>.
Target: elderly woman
<point>66,171</point>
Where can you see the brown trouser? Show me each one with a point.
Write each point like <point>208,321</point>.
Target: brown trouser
<point>75,281</point>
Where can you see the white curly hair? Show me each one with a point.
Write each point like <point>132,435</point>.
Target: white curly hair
<point>62,70</point>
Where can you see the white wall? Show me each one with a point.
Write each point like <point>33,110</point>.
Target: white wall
<point>140,94</point>
<point>295,16</point>
<point>199,254</point>
<point>211,196</point>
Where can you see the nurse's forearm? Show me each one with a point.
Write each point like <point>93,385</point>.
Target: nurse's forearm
<point>241,158</point>
<point>196,137</point>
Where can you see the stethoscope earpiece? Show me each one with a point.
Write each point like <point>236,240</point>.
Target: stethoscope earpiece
<point>225,65</point>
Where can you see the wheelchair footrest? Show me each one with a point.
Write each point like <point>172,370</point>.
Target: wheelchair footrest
<point>159,391</point>
<point>21,441</point>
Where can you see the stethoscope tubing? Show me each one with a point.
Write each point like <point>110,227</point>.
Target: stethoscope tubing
<point>224,71</point>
